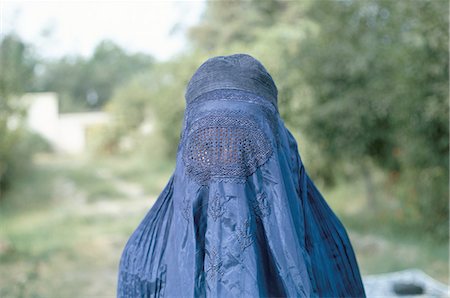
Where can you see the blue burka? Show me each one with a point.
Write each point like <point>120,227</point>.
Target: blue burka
<point>239,216</point>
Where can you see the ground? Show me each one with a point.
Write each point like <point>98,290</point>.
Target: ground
<point>64,228</point>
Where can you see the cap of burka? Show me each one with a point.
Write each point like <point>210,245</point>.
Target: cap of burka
<point>237,71</point>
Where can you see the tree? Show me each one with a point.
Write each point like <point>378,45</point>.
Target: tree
<point>17,63</point>
<point>155,96</point>
<point>379,71</point>
<point>88,83</point>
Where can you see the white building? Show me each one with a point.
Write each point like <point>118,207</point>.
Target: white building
<point>67,132</point>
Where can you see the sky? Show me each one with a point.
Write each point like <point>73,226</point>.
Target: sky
<point>59,28</point>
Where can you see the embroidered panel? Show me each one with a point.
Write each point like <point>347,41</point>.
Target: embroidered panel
<point>214,270</point>
<point>224,145</point>
<point>267,108</point>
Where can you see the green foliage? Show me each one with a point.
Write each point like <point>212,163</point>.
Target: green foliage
<point>16,151</point>
<point>17,65</point>
<point>88,83</point>
<point>154,98</point>
<point>234,22</point>
<point>16,76</point>
<point>380,71</point>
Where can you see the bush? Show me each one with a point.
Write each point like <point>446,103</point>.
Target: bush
<point>17,150</point>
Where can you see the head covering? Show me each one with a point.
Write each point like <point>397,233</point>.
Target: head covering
<point>235,72</point>
<point>239,216</point>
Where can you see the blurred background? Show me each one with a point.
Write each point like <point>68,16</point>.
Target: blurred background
<point>92,102</point>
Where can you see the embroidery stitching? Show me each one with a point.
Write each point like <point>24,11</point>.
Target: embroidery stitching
<point>219,146</point>
<point>185,209</point>
<point>243,235</point>
<point>270,111</point>
<point>217,205</point>
<point>244,96</point>
<point>215,208</point>
<point>261,205</point>
<point>214,271</point>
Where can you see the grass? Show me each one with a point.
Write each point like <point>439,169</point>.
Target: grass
<point>380,243</point>
<point>64,226</point>
<point>64,257</point>
<point>63,229</point>
<point>151,176</point>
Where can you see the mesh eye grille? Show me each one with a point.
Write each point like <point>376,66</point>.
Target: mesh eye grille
<point>225,146</point>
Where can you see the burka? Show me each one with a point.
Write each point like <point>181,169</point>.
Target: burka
<point>239,216</point>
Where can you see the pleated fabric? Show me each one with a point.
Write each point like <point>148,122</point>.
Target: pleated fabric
<point>239,216</point>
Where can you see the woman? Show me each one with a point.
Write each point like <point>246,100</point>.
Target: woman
<point>239,217</point>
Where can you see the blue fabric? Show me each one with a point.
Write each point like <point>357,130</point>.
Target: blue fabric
<point>239,216</point>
